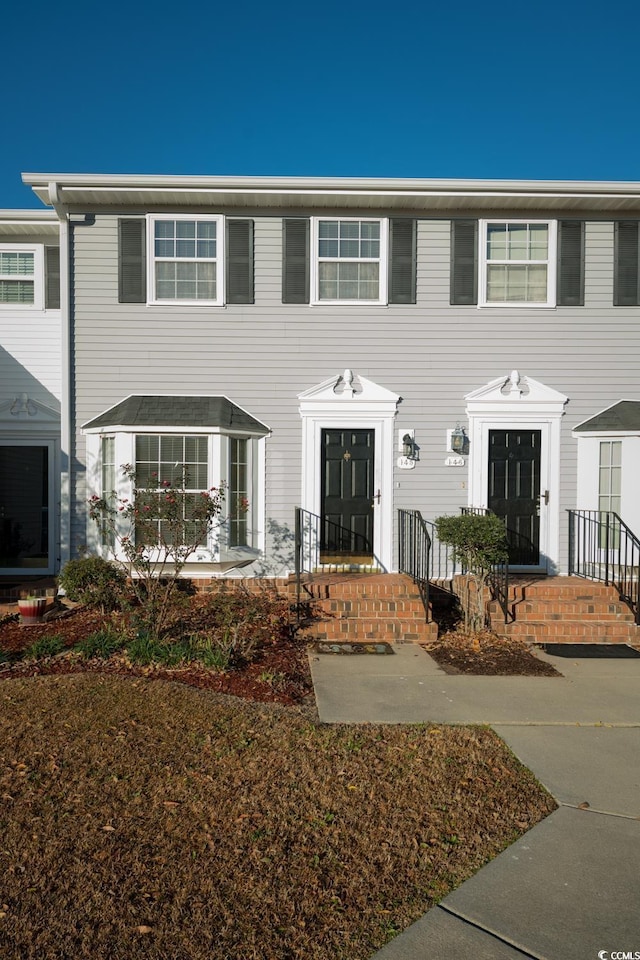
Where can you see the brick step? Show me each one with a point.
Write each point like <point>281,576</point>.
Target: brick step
<point>390,631</point>
<point>567,630</point>
<point>366,607</point>
<point>372,609</point>
<point>321,592</point>
<point>561,588</point>
<point>556,609</point>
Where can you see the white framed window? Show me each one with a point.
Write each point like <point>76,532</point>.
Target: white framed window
<point>108,485</point>
<point>349,260</point>
<point>610,476</point>
<point>181,461</point>
<point>240,483</point>
<point>21,276</point>
<point>186,259</point>
<point>517,263</point>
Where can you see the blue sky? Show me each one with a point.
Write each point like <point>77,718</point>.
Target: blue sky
<point>505,90</point>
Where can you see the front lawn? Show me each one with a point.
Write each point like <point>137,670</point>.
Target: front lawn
<point>152,820</point>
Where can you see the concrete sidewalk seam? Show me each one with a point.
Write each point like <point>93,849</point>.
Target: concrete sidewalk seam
<point>507,941</point>
<point>590,809</point>
<point>589,725</point>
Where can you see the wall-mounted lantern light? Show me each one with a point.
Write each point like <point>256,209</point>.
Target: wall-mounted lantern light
<point>409,447</point>
<point>458,440</point>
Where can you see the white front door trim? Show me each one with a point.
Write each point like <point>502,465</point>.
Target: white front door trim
<point>352,402</point>
<point>508,404</point>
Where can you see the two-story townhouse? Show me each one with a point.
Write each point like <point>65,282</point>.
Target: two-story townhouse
<point>30,392</point>
<point>353,347</point>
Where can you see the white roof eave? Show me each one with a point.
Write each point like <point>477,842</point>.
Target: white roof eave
<point>428,194</point>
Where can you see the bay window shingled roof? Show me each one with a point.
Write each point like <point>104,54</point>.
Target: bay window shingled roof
<point>192,413</point>
<point>623,416</point>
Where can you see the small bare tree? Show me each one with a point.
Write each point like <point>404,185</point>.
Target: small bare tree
<point>156,532</point>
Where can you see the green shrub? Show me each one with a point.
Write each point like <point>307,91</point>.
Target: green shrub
<point>94,582</point>
<point>45,647</point>
<point>206,649</point>
<point>479,540</point>
<point>103,643</point>
<point>145,649</point>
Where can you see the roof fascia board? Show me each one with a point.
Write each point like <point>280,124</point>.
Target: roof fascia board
<point>32,217</point>
<point>552,189</point>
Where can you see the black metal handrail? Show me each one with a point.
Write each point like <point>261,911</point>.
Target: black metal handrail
<point>414,549</point>
<point>318,541</point>
<point>442,565</point>
<point>602,547</point>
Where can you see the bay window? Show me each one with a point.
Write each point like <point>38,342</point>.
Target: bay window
<point>155,436</point>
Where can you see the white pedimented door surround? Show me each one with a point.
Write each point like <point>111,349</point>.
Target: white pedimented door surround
<point>348,401</point>
<point>508,403</point>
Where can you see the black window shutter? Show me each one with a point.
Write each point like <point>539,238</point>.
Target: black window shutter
<point>626,273</point>
<point>570,280</point>
<point>464,261</point>
<point>402,261</point>
<point>295,260</point>
<point>239,255</point>
<point>52,278</point>
<point>132,261</point>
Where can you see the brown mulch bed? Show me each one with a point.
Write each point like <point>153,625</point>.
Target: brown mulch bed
<point>278,672</point>
<point>486,654</point>
<point>156,821</point>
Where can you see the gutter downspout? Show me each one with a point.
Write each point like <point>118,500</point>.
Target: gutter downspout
<point>55,199</point>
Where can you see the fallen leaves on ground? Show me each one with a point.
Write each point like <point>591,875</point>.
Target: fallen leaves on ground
<point>153,820</point>
<point>487,654</point>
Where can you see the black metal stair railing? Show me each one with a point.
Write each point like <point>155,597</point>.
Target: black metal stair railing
<point>442,565</point>
<point>414,550</point>
<point>602,547</point>
<point>319,541</point>
<point>306,549</point>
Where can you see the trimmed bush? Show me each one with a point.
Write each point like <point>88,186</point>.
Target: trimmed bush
<point>94,582</point>
<point>479,540</point>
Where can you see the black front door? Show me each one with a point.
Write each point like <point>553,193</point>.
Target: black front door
<point>24,507</point>
<point>514,490</point>
<point>347,495</point>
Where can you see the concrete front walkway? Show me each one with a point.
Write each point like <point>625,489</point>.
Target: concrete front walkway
<point>569,889</point>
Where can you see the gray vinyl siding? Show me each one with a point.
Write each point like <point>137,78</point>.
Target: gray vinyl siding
<point>264,354</point>
<point>30,351</point>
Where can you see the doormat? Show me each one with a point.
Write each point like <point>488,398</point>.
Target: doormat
<point>591,651</point>
<point>325,646</point>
